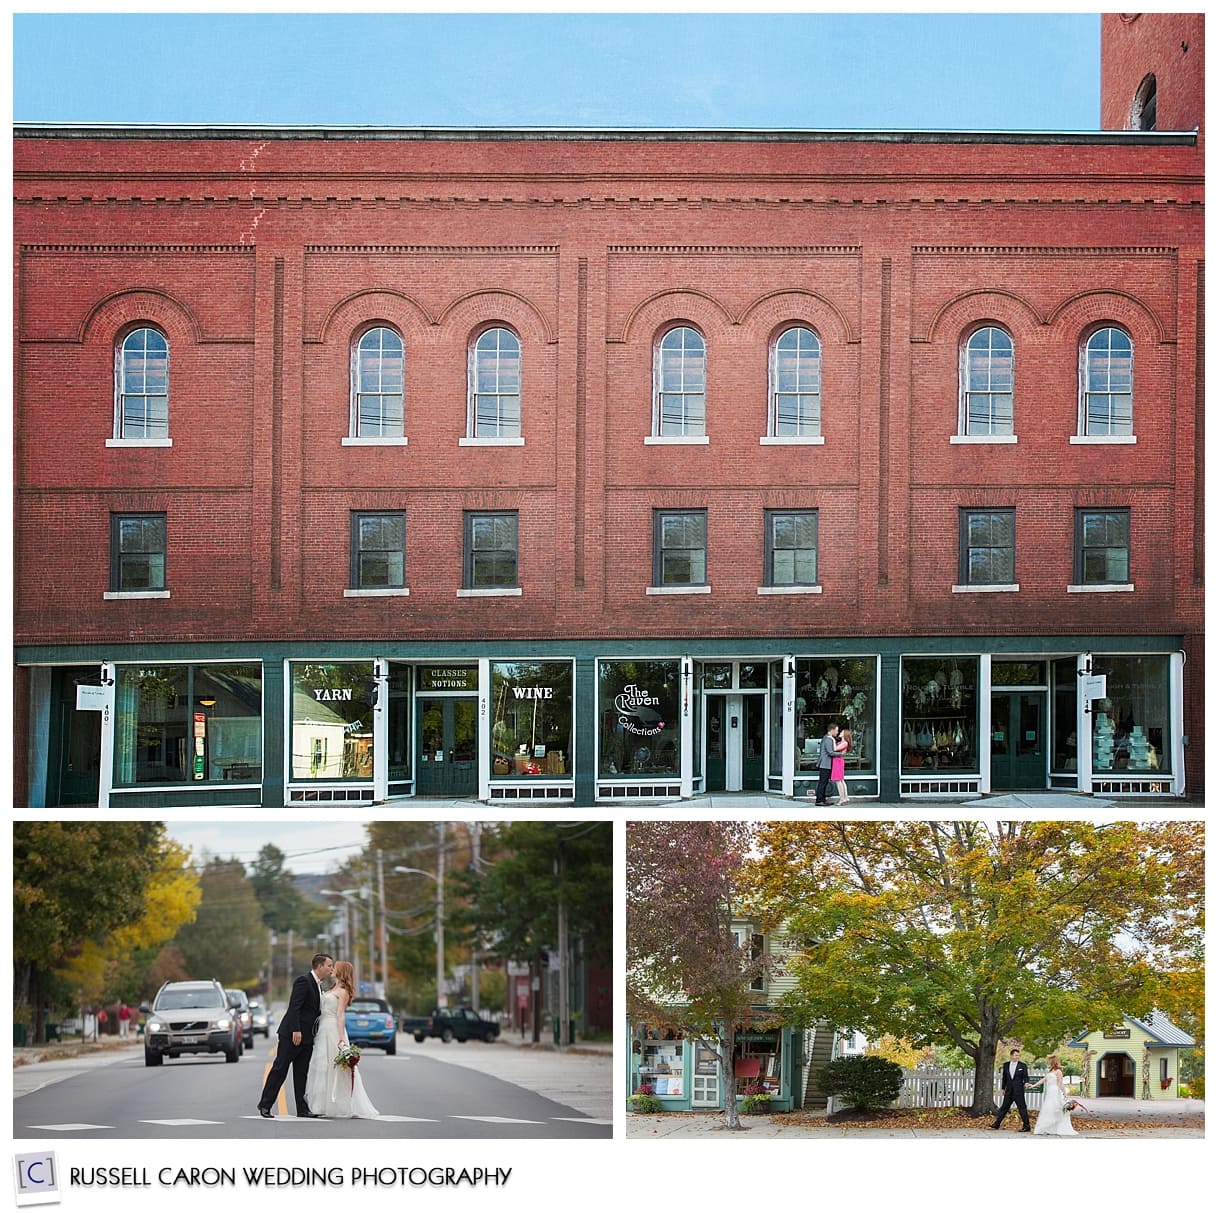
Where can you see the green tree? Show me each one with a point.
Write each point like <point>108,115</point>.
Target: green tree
<point>530,869</point>
<point>74,882</point>
<point>968,932</point>
<point>283,906</point>
<point>226,940</point>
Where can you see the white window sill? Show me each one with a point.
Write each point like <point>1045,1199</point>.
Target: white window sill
<point>400,591</point>
<point>678,589</point>
<point>792,440</point>
<point>504,592</point>
<point>357,441</point>
<point>1102,440</point>
<point>114,595</point>
<point>983,439</point>
<point>1004,588</point>
<point>677,440</point>
<point>789,589</point>
<point>139,442</point>
<point>491,442</point>
<point>1124,587</point>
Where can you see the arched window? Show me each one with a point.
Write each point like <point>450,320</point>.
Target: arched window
<point>1143,116</point>
<point>1106,384</point>
<point>142,387</point>
<point>494,377</point>
<point>377,385</point>
<point>795,385</point>
<point>680,384</point>
<point>987,383</point>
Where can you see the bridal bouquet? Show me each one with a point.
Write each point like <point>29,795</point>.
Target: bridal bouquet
<point>347,1057</point>
<point>1072,1105</point>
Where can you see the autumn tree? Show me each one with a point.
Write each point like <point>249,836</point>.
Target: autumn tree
<point>684,966</point>
<point>119,965</point>
<point>226,940</point>
<point>967,932</point>
<point>74,882</point>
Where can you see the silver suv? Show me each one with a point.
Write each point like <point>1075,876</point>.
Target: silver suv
<point>190,1017</point>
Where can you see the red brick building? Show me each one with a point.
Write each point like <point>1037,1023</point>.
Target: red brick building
<point>578,466</point>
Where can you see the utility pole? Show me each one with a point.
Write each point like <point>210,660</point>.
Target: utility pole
<point>441,997</point>
<point>564,993</point>
<point>475,995</point>
<point>383,992</point>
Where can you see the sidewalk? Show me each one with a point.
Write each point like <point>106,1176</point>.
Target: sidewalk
<point>1104,1118</point>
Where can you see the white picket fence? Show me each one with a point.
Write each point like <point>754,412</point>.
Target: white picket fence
<point>951,1089</point>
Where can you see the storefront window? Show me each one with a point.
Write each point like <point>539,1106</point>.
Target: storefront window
<point>835,690</point>
<point>531,730</point>
<point>399,722</point>
<point>332,720</point>
<point>188,724</point>
<point>939,714</point>
<point>639,709</point>
<point>758,1064</point>
<point>661,1063</point>
<point>1131,728</point>
<point>1065,716</point>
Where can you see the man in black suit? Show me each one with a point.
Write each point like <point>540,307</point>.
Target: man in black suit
<point>295,1047</point>
<point>1014,1079</point>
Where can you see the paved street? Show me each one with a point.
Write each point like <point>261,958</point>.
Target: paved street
<point>428,1090</point>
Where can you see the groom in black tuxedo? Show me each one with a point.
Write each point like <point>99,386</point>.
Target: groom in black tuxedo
<point>1014,1080</point>
<point>295,1047</point>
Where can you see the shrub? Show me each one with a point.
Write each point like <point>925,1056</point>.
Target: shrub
<point>645,1103</point>
<point>862,1082</point>
<point>756,1098</point>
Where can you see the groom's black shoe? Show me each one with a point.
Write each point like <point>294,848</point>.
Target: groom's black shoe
<point>265,1111</point>
<point>310,1114</point>
<point>1026,1129</point>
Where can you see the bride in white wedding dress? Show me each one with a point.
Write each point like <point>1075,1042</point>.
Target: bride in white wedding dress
<point>1053,1120</point>
<point>335,1091</point>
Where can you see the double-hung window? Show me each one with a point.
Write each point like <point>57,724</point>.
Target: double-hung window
<point>987,384</point>
<point>679,409</point>
<point>137,554</point>
<point>1106,385</point>
<point>142,387</point>
<point>987,548</point>
<point>791,556</point>
<point>679,548</point>
<point>494,386</point>
<point>491,550</point>
<point>795,365</point>
<point>378,550</point>
<point>378,385</point>
<point>1101,547</point>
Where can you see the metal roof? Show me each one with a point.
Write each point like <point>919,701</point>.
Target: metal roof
<point>1157,1026</point>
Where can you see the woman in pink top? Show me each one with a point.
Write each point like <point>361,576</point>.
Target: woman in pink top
<point>837,774</point>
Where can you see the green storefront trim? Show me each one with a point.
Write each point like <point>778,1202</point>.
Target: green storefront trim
<point>585,653</point>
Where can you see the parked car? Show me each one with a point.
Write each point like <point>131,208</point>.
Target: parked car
<point>452,1023</point>
<point>190,1017</point>
<point>260,1018</point>
<point>370,1023</point>
<point>241,1005</point>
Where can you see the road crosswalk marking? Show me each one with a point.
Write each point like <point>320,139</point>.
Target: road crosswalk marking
<point>67,1128</point>
<point>178,1124</point>
<point>500,1120</point>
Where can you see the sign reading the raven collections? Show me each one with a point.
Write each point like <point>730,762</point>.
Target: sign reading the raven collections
<point>448,678</point>
<point>1117,1034</point>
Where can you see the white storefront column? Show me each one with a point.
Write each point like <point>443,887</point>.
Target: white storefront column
<point>380,730</point>
<point>789,724</point>
<point>105,776</point>
<point>688,740</point>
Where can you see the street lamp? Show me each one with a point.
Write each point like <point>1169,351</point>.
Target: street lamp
<point>438,877</point>
<point>350,913</point>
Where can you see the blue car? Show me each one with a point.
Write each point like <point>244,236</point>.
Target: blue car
<point>370,1023</point>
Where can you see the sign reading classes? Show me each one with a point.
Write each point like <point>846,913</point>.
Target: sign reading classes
<point>448,678</point>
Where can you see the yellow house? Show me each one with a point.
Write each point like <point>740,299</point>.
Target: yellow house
<point>1138,1059</point>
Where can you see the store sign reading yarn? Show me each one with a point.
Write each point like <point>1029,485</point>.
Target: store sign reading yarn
<point>637,711</point>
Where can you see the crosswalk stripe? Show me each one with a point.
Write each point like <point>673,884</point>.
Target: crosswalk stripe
<point>181,1124</point>
<point>500,1120</point>
<point>67,1128</point>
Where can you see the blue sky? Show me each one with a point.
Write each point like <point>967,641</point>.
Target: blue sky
<point>1030,71</point>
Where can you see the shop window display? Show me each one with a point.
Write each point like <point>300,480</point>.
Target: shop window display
<point>640,718</point>
<point>1131,727</point>
<point>188,724</point>
<point>531,728</point>
<point>332,720</point>
<point>835,691</point>
<point>661,1065</point>
<point>939,714</point>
